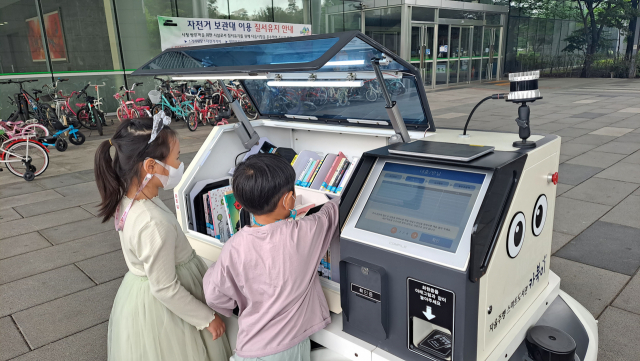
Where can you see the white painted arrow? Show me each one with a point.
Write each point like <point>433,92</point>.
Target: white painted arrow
<point>428,314</point>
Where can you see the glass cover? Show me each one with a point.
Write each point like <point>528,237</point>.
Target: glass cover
<point>426,206</point>
<point>290,52</point>
<point>356,56</point>
<point>339,103</point>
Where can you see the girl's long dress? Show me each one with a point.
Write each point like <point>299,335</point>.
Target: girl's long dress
<point>159,313</point>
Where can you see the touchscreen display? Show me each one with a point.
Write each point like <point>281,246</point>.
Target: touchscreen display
<point>427,206</point>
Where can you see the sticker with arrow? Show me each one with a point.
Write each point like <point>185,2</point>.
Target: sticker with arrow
<point>431,303</point>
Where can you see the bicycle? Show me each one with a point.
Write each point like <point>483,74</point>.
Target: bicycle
<point>124,112</point>
<point>20,129</point>
<point>89,116</point>
<point>181,110</point>
<point>236,93</point>
<point>28,106</point>
<point>24,157</point>
<point>59,138</point>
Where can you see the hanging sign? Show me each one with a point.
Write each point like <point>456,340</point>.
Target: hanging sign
<point>180,32</point>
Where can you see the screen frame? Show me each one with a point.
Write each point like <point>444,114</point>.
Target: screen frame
<point>458,260</point>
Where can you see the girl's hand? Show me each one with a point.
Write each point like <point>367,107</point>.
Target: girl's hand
<point>216,327</point>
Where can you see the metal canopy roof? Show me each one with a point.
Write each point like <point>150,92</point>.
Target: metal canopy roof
<point>337,57</point>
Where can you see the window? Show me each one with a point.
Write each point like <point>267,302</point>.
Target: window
<point>21,39</point>
<point>383,26</point>
<point>423,14</point>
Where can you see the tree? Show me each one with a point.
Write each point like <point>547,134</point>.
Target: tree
<point>631,34</point>
<point>595,15</point>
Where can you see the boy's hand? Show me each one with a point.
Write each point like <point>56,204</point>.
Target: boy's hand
<point>216,327</point>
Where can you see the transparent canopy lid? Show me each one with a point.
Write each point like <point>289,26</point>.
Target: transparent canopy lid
<point>326,78</point>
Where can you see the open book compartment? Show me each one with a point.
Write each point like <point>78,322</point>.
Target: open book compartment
<point>217,157</point>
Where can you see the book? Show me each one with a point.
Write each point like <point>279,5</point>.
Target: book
<point>219,213</point>
<point>341,172</point>
<point>347,175</point>
<point>335,174</point>
<point>294,160</point>
<point>233,212</point>
<point>315,173</point>
<point>304,171</point>
<point>303,209</point>
<point>207,214</point>
<point>334,166</point>
<point>310,170</point>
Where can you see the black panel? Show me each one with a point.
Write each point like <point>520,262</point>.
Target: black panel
<point>399,268</point>
<point>560,316</point>
<point>354,185</point>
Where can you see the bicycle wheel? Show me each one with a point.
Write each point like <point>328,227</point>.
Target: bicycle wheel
<point>157,108</point>
<point>85,118</point>
<point>122,114</point>
<point>248,108</point>
<point>22,152</point>
<point>61,145</point>
<point>97,120</point>
<point>371,95</point>
<point>37,129</point>
<point>192,122</point>
<point>135,114</point>
<point>76,138</point>
<point>211,115</point>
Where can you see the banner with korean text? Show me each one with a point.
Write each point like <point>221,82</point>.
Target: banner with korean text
<point>180,32</point>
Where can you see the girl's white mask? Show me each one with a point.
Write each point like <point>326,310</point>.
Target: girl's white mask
<point>175,175</point>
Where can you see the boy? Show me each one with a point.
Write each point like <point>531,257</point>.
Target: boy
<point>269,270</point>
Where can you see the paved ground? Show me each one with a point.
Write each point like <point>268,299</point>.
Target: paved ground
<point>60,267</point>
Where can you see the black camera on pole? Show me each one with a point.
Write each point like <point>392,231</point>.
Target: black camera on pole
<point>524,89</point>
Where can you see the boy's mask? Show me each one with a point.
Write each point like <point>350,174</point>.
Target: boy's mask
<point>292,212</point>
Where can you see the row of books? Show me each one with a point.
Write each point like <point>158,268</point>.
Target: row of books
<point>329,173</point>
<point>222,213</point>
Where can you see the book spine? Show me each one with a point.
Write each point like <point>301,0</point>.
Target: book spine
<point>315,173</point>
<point>343,169</point>
<point>335,174</point>
<point>347,175</point>
<point>304,171</point>
<point>308,172</point>
<point>327,179</point>
<point>213,219</point>
<point>311,170</point>
<point>294,160</point>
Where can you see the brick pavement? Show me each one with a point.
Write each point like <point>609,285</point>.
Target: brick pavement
<point>60,267</point>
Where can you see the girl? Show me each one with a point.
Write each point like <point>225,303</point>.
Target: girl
<point>159,311</point>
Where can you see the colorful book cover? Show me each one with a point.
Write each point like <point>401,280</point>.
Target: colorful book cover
<point>219,213</point>
<point>207,214</point>
<point>233,212</point>
<point>334,166</point>
<point>315,173</point>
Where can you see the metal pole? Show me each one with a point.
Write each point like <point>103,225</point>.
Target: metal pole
<point>632,66</point>
<point>392,109</point>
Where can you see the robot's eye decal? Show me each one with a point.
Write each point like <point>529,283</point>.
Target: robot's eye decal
<point>515,237</point>
<point>539,215</point>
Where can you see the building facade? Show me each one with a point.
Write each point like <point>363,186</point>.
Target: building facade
<point>102,41</point>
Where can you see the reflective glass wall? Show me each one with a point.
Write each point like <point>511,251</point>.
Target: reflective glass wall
<point>536,40</point>
<point>102,41</point>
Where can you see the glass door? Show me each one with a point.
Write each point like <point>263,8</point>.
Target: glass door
<point>442,55</point>
<point>460,54</point>
<point>490,52</point>
<point>422,51</point>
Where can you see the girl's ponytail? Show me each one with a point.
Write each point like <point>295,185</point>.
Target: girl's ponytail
<point>110,185</point>
<point>131,143</point>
